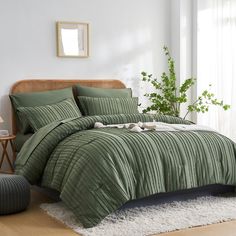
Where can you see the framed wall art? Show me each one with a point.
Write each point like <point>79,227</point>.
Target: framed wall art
<point>72,39</point>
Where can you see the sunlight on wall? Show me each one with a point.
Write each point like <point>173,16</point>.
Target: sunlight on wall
<point>143,60</point>
<point>139,56</point>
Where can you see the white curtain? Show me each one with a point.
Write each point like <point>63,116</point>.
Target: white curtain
<point>216,61</point>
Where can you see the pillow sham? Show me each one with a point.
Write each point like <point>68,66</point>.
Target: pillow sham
<point>36,99</point>
<point>102,92</point>
<point>108,106</point>
<point>40,116</point>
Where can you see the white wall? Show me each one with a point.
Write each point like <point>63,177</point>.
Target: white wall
<point>127,37</point>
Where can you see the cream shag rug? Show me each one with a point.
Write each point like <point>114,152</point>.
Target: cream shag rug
<point>152,219</point>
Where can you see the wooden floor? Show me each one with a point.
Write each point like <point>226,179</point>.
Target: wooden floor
<point>35,222</point>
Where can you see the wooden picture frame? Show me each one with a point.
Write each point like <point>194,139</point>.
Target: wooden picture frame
<point>72,39</point>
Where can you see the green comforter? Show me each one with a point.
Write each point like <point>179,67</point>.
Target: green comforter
<point>96,171</point>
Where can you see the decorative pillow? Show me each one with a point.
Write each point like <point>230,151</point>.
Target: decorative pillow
<point>40,116</point>
<point>37,99</point>
<point>103,92</point>
<point>108,106</point>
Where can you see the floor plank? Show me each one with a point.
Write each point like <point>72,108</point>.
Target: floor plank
<point>33,221</point>
<point>222,229</point>
<point>36,222</point>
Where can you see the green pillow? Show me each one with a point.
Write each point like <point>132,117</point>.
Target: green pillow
<point>108,106</point>
<point>103,92</point>
<point>40,116</point>
<point>36,99</point>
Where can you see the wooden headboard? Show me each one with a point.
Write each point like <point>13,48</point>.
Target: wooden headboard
<point>27,86</point>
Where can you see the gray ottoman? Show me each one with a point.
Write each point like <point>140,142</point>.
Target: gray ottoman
<point>14,194</point>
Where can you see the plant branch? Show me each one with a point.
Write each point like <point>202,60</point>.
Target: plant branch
<point>168,97</point>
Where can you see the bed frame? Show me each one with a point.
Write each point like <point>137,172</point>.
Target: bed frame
<point>27,86</point>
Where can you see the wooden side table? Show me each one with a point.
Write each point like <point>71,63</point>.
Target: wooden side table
<point>4,140</point>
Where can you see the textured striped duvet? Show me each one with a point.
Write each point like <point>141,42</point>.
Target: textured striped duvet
<point>98,170</point>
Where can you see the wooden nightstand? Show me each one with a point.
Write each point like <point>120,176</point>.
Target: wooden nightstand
<point>4,142</point>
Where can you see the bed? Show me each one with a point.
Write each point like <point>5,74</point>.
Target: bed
<point>97,171</point>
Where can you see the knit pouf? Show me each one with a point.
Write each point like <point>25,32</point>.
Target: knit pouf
<point>14,194</point>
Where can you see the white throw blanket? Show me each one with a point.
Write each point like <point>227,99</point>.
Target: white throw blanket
<point>157,126</point>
